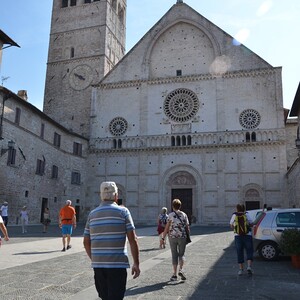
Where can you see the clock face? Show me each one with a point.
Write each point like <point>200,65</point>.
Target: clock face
<point>81,77</point>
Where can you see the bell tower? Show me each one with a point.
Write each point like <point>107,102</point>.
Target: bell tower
<point>87,38</point>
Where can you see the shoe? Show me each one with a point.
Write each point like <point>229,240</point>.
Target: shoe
<point>249,271</point>
<point>182,275</point>
<point>173,278</point>
<point>63,249</point>
<point>240,272</point>
<point>69,247</point>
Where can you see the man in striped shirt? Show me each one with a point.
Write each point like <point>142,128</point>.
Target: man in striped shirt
<point>104,241</point>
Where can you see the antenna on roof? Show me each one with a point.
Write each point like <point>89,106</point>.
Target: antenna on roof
<point>4,79</point>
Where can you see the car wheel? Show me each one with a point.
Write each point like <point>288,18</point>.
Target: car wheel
<point>268,251</point>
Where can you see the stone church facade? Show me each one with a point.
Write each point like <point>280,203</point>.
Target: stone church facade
<point>187,113</point>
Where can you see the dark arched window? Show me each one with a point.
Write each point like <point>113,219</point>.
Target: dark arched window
<point>173,141</point>
<point>247,137</point>
<point>183,140</point>
<point>72,52</point>
<point>114,4</point>
<point>64,3</point>
<point>253,137</point>
<point>178,142</point>
<point>119,143</point>
<point>189,140</point>
<point>114,143</point>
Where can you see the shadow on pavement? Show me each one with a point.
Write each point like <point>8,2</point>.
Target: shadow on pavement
<point>271,280</point>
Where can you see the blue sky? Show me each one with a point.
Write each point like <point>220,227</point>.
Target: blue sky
<point>270,28</point>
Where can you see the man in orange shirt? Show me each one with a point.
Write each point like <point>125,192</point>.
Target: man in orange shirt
<point>67,221</point>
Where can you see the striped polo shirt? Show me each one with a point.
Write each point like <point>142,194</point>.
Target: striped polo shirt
<point>106,227</point>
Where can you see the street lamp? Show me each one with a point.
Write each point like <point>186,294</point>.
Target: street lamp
<point>10,145</point>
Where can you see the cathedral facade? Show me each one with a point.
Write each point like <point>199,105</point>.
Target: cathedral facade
<point>187,113</point>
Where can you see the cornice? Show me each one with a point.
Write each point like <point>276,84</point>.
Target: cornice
<point>182,79</point>
<point>75,61</point>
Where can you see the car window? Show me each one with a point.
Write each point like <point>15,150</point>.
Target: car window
<point>259,216</point>
<point>288,219</point>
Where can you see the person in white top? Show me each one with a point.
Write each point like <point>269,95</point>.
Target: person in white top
<point>24,219</point>
<point>4,230</point>
<point>4,213</point>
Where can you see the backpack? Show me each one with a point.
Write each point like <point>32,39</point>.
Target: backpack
<point>241,225</point>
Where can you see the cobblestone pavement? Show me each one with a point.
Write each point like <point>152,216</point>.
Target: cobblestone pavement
<point>33,267</point>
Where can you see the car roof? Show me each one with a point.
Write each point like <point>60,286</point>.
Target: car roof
<point>283,210</point>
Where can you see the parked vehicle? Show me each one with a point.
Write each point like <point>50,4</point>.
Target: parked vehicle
<point>267,230</point>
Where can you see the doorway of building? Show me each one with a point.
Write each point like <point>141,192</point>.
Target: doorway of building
<point>186,198</point>
<point>252,205</point>
<point>77,210</point>
<point>44,205</point>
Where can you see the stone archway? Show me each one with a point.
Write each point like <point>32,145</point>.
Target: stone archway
<point>183,185</point>
<point>252,196</point>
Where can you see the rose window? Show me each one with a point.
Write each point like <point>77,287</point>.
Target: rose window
<point>249,119</point>
<point>118,126</point>
<point>181,105</point>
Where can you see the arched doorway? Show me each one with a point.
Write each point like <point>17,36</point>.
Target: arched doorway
<point>252,196</point>
<point>182,185</point>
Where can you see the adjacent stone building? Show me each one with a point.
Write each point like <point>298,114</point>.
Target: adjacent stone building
<point>188,113</point>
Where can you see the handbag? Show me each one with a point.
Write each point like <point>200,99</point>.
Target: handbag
<point>188,237</point>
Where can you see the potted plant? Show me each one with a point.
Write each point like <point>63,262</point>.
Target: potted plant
<point>290,244</point>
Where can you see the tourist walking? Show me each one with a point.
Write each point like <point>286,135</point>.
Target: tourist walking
<point>162,220</point>
<point>46,219</point>
<point>105,234</point>
<point>67,221</point>
<point>176,228</point>
<point>241,223</point>
<point>4,231</point>
<point>24,219</point>
<point>4,212</point>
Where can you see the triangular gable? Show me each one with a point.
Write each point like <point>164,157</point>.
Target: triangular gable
<point>136,64</point>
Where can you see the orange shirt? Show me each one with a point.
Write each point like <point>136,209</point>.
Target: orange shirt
<point>66,214</point>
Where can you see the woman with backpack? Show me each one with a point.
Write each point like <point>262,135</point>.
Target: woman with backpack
<point>240,221</point>
<point>161,224</point>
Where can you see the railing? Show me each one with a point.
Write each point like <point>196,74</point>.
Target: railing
<point>188,140</point>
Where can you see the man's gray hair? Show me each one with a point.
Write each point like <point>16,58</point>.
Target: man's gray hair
<point>108,190</point>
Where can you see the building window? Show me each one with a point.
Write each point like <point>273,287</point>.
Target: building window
<point>40,167</point>
<point>26,194</point>
<point>11,158</point>
<point>249,118</point>
<point>72,52</point>
<point>114,4</point>
<point>18,115</point>
<point>178,73</point>
<point>87,1</point>
<point>117,144</point>
<point>54,174</point>
<point>118,126</point>
<point>64,3</point>
<point>181,140</point>
<point>77,149</point>
<point>56,141</point>
<point>42,130</point>
<point>73,2</point>
<point>75,179</point>
<point>121,15</point>
<point>181,105</point>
